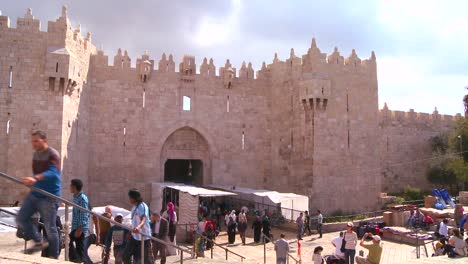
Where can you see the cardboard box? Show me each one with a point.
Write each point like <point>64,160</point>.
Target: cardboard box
<point>387,218</point>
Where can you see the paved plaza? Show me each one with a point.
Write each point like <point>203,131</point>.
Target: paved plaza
<point>394,253</point>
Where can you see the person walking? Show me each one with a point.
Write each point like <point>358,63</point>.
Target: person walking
<point>266,228</point>
<point>319,223</point>
<point>104,226</point>
<point>307,223</point>
<point>257,227</point>
<point>92,236</point>
<point>375,250</point>
<point>242,225</point>
<point>80,223</point>
<point>350,239</point>
<point>171,217</point>
<point>159,230</point>
<point>219,218</point>
<point>210,233</point>
<point>47,177</point>
<point>141,226</point>
<point>300,226</point>
<point>232,225</point>
<point>118,236</point>
<point>282,250</point>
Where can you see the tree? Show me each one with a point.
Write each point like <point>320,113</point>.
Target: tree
<point>441,175</point>
<point>458,141</point>
<point>458,144</point>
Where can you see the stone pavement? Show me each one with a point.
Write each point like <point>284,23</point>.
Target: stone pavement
<point>394,253</point>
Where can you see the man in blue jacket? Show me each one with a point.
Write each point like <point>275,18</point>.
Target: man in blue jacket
<point>46,176</point>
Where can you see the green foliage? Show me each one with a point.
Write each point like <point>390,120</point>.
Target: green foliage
<point>460,169</point>
<point>412,193</point>
<point>458,141</point>
<point>450,164</point>
<point>441,174</point>
<point>439,144</point>
<point>398,201</point>
<point>340,216</point>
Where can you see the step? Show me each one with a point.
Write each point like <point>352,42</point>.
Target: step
<point>18,258</point>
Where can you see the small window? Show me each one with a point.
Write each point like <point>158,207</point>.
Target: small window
<point>227,104</point>
<point>62,84</point>
<point>56,67</point>
<point>51,83</point>
<point>187,104</point>
<point>8,126</point>
<point>10,78</point>
<point>125,136</point>
<point>243,140</point>
<point>144,98</point>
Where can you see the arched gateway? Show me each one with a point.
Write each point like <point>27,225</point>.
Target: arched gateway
<point>185,157</point>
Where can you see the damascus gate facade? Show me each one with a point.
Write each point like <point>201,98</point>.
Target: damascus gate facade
<point>308,124</point>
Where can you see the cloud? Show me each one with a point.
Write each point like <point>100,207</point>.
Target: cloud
<point>215,31</point>
<point>420,44</point>
<point>407,82</point>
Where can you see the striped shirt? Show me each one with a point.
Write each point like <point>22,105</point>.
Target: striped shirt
<point>80,218</point>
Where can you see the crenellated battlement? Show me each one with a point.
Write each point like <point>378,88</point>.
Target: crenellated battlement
<point>59,32</point>
<point>246,71</point>
<point>412,118</point>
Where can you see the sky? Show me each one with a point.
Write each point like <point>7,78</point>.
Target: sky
<point>421,45</point>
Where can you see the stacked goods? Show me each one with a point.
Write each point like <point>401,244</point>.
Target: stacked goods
<point>400,218</point>
<point>429,201</point>
<point>434,213</point>
<point>464,198</point>
<point>387,218</point>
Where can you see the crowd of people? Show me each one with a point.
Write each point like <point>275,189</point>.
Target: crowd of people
<point>39,210</point>
<point>345,248</point>
<point>88,229</point>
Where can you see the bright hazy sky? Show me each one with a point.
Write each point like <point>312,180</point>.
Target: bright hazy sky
<point>421,45</point>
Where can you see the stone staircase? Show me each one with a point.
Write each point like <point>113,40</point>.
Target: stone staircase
<point>11,253</point>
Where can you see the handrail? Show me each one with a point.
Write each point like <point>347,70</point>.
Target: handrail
<point>274,243</point>
<point>218,245</point>
<point>214,243</point>
<point>13,179</point>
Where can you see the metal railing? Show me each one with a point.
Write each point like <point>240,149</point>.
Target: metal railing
<point>226,250</point>
<point>68,204</point>
<point>265,238</point>
<point>15,215</point>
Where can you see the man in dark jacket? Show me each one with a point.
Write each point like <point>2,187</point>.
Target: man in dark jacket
<point>159,230</point>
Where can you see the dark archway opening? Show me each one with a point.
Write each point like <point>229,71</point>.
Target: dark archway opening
<point>184,171</point>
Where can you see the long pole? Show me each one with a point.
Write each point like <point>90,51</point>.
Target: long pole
<point>142,249</point>
<point>461,147</point>
<point>67,231</point>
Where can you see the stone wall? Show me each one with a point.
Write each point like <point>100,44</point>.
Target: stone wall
<point>309,124</point>
<point>405,148</point>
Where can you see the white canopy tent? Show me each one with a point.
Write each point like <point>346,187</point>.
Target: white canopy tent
<point>188,198</point>
<point>290,204</point>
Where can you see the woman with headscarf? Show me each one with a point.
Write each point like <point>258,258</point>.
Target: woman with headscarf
<point>257,227</point>
<point>171,216</point>
<point>232,225</point>
<point>266,228</point>
<point>242,225</point>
